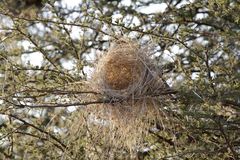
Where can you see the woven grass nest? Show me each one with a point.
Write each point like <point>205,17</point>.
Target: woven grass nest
<point>127,71</point>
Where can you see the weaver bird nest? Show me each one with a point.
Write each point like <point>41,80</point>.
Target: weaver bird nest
<point>127,75</point>
<point>127,71</point>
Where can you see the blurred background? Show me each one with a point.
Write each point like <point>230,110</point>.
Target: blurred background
<point>48,49</point>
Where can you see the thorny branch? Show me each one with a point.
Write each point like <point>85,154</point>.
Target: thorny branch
<point>99,101</point>
<point>37,128</point>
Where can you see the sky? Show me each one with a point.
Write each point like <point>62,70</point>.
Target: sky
<point>36,58</point>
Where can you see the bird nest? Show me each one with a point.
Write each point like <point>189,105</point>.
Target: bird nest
<point>127,71</point>
<point>126,74</point>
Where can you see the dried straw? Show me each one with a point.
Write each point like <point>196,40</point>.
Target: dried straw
<point>127,71</point>
<point>128,74</point>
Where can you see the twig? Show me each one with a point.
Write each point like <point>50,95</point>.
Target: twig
<point>227,140</point>
<point>37,128</point>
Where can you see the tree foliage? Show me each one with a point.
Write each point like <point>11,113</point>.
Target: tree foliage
<point>48,51</point>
